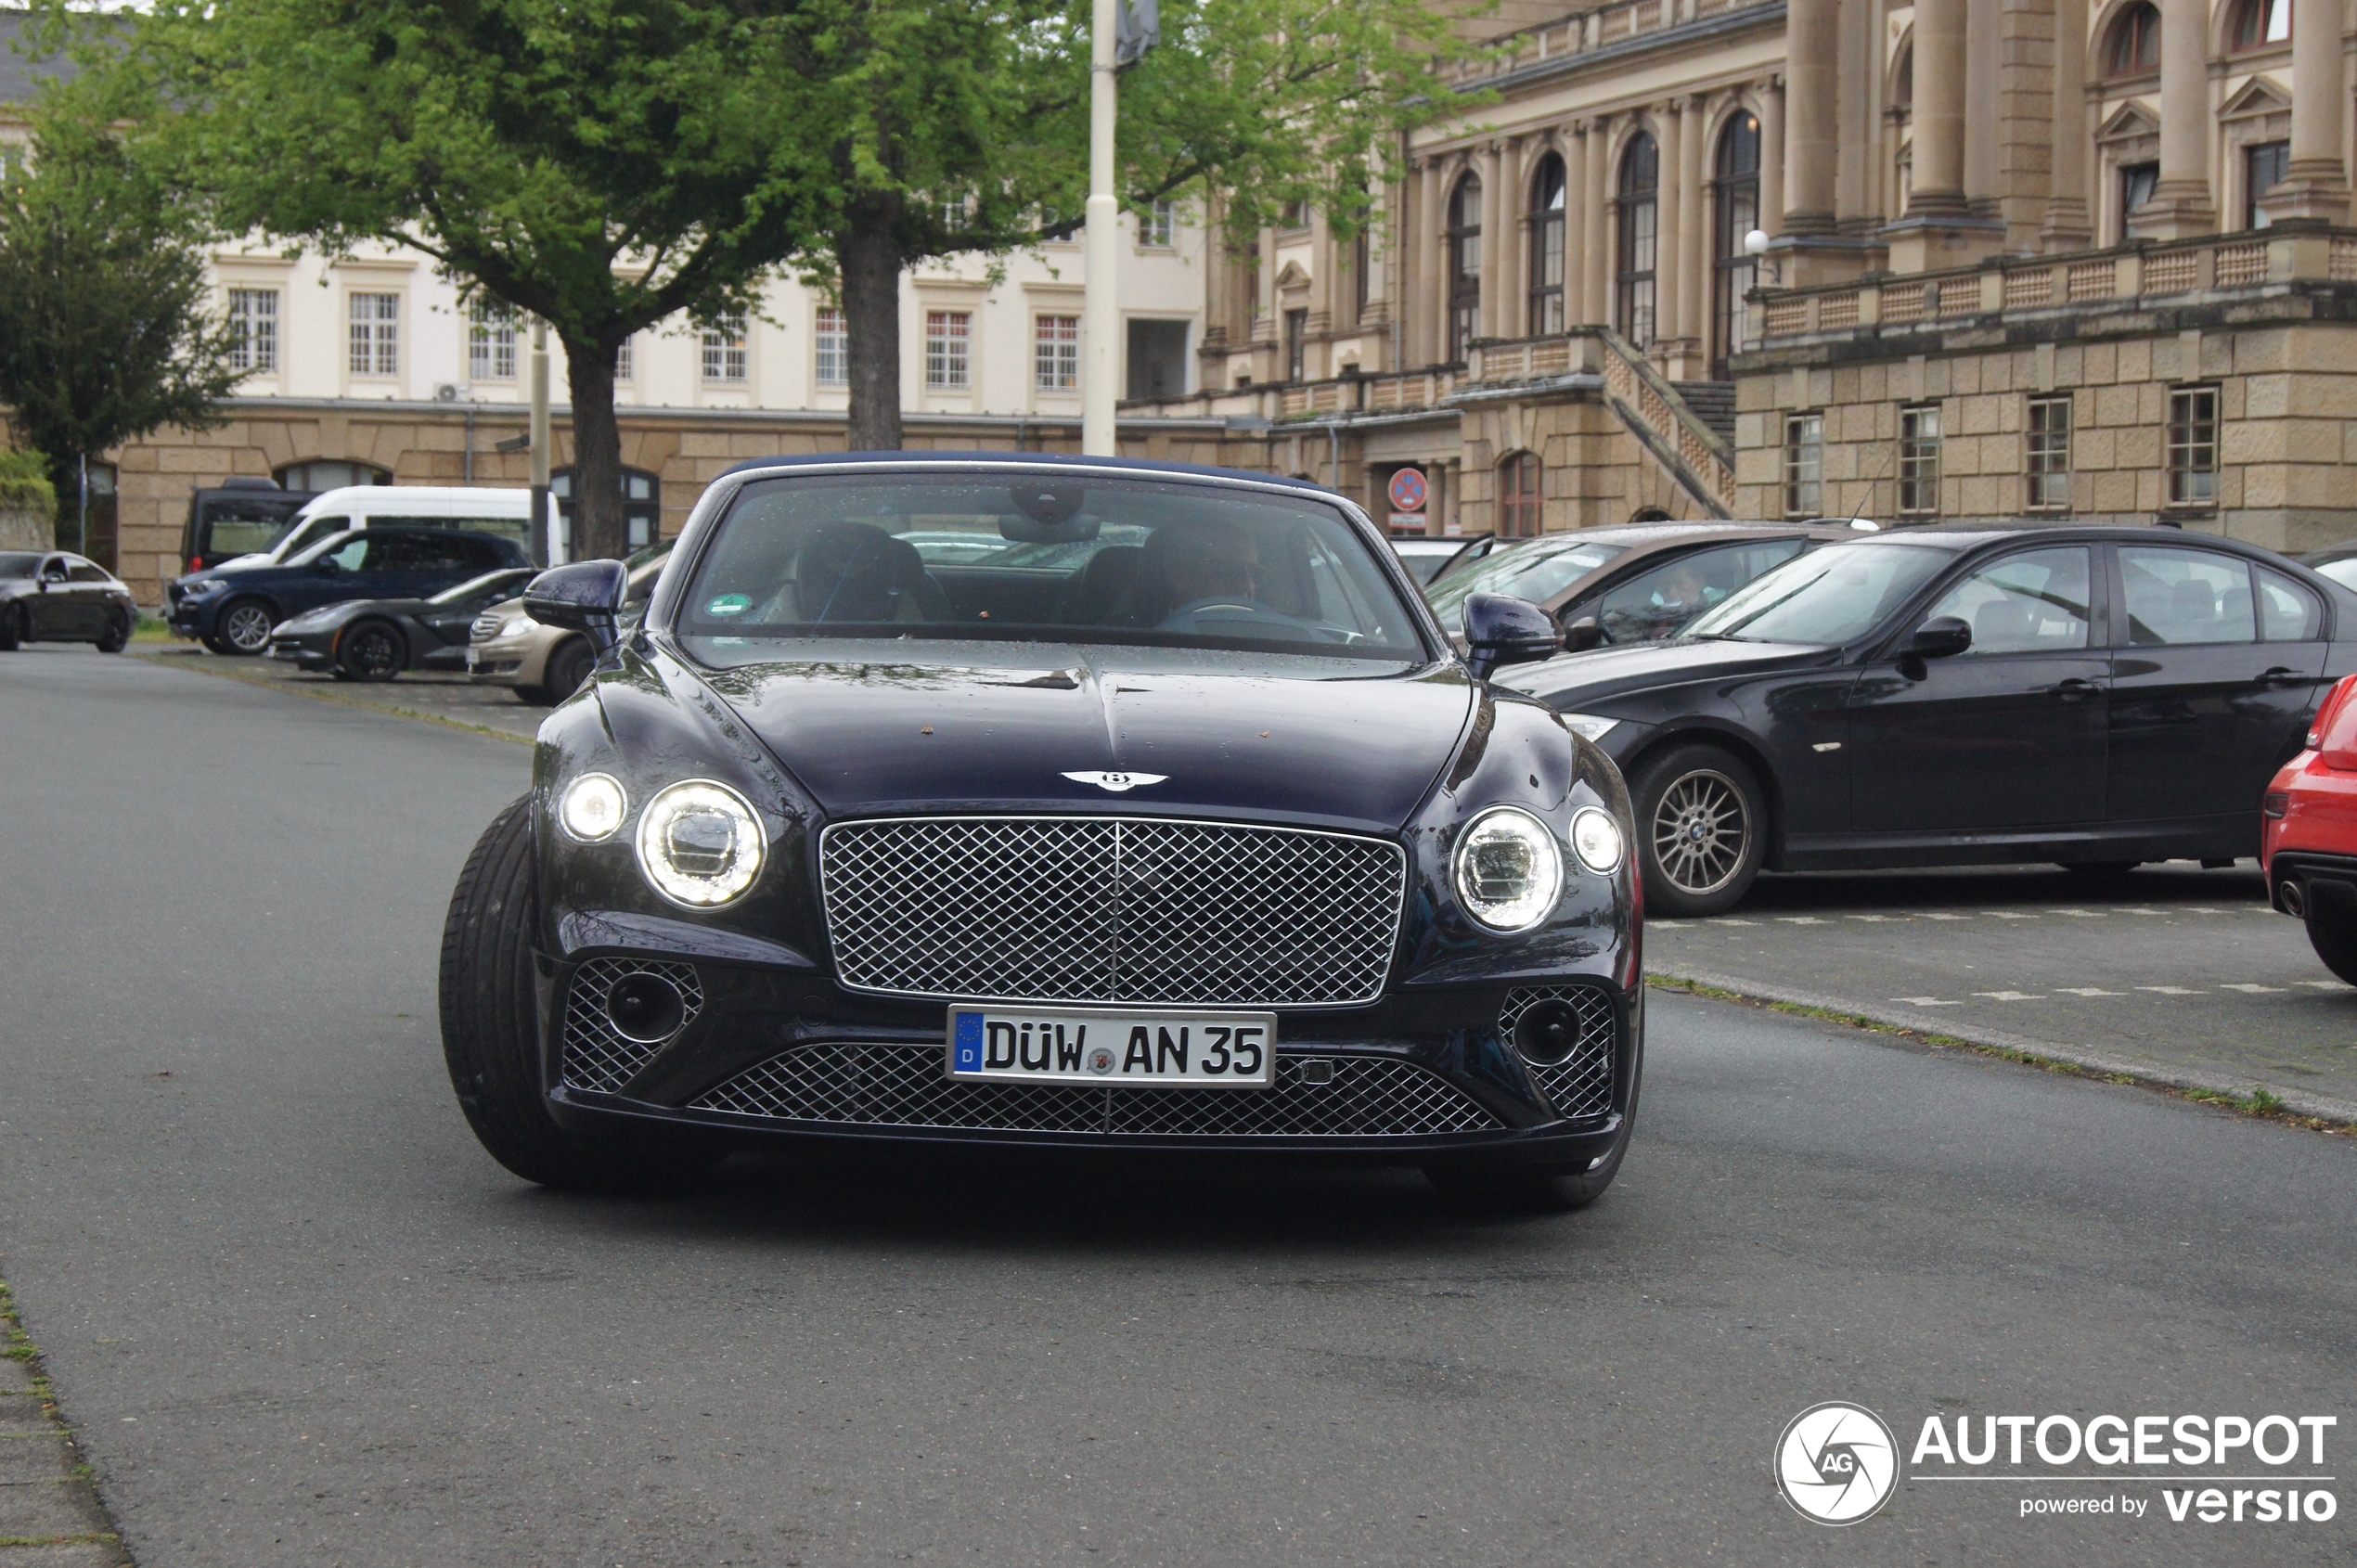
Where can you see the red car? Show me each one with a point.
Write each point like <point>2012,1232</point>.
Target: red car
<point>2308,842</point>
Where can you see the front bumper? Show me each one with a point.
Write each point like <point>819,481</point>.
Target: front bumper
<point>303,650</point>
<point>1423,1075</point>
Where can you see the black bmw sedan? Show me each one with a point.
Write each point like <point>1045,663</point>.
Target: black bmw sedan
<point>376,639</point>
<point>2098,697</point>
<point>1198,837</point>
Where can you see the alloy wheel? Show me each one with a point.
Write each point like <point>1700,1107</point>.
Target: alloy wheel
<point>246,628</point>
<point>372,656</point>
<point>1700,831</point>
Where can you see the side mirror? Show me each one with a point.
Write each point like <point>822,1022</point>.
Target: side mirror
<point>1582,634</point>
<point>1943,636</point>
<point>584,596</point>
<point>329,564</point>
<point>1501,629</point>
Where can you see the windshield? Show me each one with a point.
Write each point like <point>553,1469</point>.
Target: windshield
<point>1826,597</point>
<point>1031,557</point>
<point>1538,571</point>
<point>14,565</point>
<point>322,547</point>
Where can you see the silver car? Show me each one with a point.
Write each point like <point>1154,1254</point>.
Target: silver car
<point>546,665</point>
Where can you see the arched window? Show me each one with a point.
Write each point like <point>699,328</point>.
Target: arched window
<point>1640,206</point>
<point>1547,247</point>
<point>2260,22</point>
<point>641,504</point>
<point>1518,497</point>
<point>1465,267</point>
<point>1736,213</point>
<point>2136,42</point>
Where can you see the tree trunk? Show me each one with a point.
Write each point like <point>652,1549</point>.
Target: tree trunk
<point>598,530</point>
<point>869,256</point>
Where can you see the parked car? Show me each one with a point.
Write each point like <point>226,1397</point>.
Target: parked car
<point>2098,697</point>
<point>1638,582</point>
<point>237,519</point>
<point>2308,840</point>
<point>505,513</point>
<point>233,612</point>
<point>2337,563</point>
<point>826,850</point>
<point>57,597</point>
<point>376,639</point>
<point>545,664</point>
<point>1428,556</point>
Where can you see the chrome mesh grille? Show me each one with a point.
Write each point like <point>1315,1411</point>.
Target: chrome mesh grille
<point>1111,909</point>
<point>596,1056</point>
<point>1580,1085</point>
<point>887,1086</point>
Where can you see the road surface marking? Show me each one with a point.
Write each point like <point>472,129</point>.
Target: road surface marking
<point>1900,919</point>
<point>1925,1002</point>
<point>2246,985</point>
<point>2082,914</point>
<point>1931,916</point>
<point>2009,995</point>
<point>2007,915</point>
<point>2088,991</point>
<point>2325,984</point>
<point>2169,990</point>
<point>1801,920</point>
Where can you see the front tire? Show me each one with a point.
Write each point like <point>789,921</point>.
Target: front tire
<point>490,1029</point>
<point>372,651</point>
<point>117,634</point>
<point>12,628</point>
<point>244,627</point>
<point>2335,938</point>
<point>1702,830</point>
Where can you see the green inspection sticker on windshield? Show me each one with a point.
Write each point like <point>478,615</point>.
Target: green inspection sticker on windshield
<point>729,604</point>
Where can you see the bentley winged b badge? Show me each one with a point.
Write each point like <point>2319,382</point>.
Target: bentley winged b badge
<point>1118,782</point>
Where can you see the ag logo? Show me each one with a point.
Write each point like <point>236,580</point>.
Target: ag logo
<point>1836,1463</point>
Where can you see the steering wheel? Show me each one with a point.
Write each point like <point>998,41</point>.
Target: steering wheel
<point>1188,617</point>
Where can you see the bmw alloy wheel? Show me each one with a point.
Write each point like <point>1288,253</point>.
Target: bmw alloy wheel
<point>1700,831</point>
<point>245,626</point>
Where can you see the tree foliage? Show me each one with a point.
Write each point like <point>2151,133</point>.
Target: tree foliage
<point>106,327</point>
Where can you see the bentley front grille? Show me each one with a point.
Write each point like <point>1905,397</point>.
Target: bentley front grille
<point>885,1085</point>
<point>1580,1085</point>
<point>598,1056</point>
<point>1111,909</point>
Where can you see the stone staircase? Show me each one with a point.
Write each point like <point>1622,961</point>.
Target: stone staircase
<point>1714,404</point>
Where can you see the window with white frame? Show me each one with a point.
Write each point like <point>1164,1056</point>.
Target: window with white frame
<point>625,358</point>
<point>376,334</point>
<point>2049,453</point>
<point>253,330</point>
<point>1056,353</point>
<point>1160,226</point>
<point>1803,465</point>
<point>833,346</point>
<point>724,351</point>
<point>491,341</point>
<point>948,350</point>
<point>2192,451</point>
<point>1919,460</point>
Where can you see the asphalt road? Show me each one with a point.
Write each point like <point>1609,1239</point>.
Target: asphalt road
<point>2171,966</point>
<point>450,698</point>
<point>299,1318</point>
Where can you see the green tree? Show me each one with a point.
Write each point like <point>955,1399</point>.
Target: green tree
<point>107,330</point>
<point>946,126</point>
<point>605,165</point>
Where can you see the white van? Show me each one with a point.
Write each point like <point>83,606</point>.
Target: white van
<point>478,510</point>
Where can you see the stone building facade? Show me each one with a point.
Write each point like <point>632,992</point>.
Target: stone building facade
<point>2080,257</point>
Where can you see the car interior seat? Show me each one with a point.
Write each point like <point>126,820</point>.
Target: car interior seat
<point>851,572</point>
<point>2008,624</point>
<point>1111,573</point>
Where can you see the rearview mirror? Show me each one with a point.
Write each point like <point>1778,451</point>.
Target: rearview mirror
<point>1501,629</point>
<point>584,596</point>
<point>1582,634</point>
<point>1940,637</point>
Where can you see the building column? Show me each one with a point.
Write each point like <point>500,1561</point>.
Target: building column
<point>1938,187</point>
<point>1812,59</point>
<point>2181,205</point>
<point>2318,180</point>
<point>1693,253</point>
<point>1491,318</point>
<point>1595,250</point>
<point>1771,156</point>
<point>2068,227</point>
<point>1670,228</point>
<point>1984,111</point>
<point>1426,295</point>
<point>1571,145</point>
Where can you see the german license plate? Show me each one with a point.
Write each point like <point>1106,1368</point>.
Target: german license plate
<point>1114,1047</point>
<point>473,658</point>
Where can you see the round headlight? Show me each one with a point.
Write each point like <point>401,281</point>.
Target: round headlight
<point>699,843</point>
<point>1508,869</point>
<point>1596,838</point>
<point>592,807</point>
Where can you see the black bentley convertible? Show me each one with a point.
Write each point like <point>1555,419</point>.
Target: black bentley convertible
<point>1157,815</point>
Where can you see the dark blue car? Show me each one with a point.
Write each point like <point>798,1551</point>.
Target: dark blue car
<point>232,611</point>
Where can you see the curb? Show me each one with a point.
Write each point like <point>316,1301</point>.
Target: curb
<point>2321,1108</point>
<point>50,1512</point>
<point>269,683</point>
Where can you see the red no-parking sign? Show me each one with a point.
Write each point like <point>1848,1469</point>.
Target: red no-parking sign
<point>1408,490</point>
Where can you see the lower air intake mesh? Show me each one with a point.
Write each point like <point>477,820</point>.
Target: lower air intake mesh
<point>598,1056</point>
<point>889,1085</point>
<point>1580,1085</point>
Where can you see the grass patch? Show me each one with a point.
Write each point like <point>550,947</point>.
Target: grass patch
<point>273,682</point>
<point>151,628</point>
<point>2258,1102</point>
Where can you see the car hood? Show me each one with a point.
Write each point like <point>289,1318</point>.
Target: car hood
<point>1571,679</point>
<point>995,726</point>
